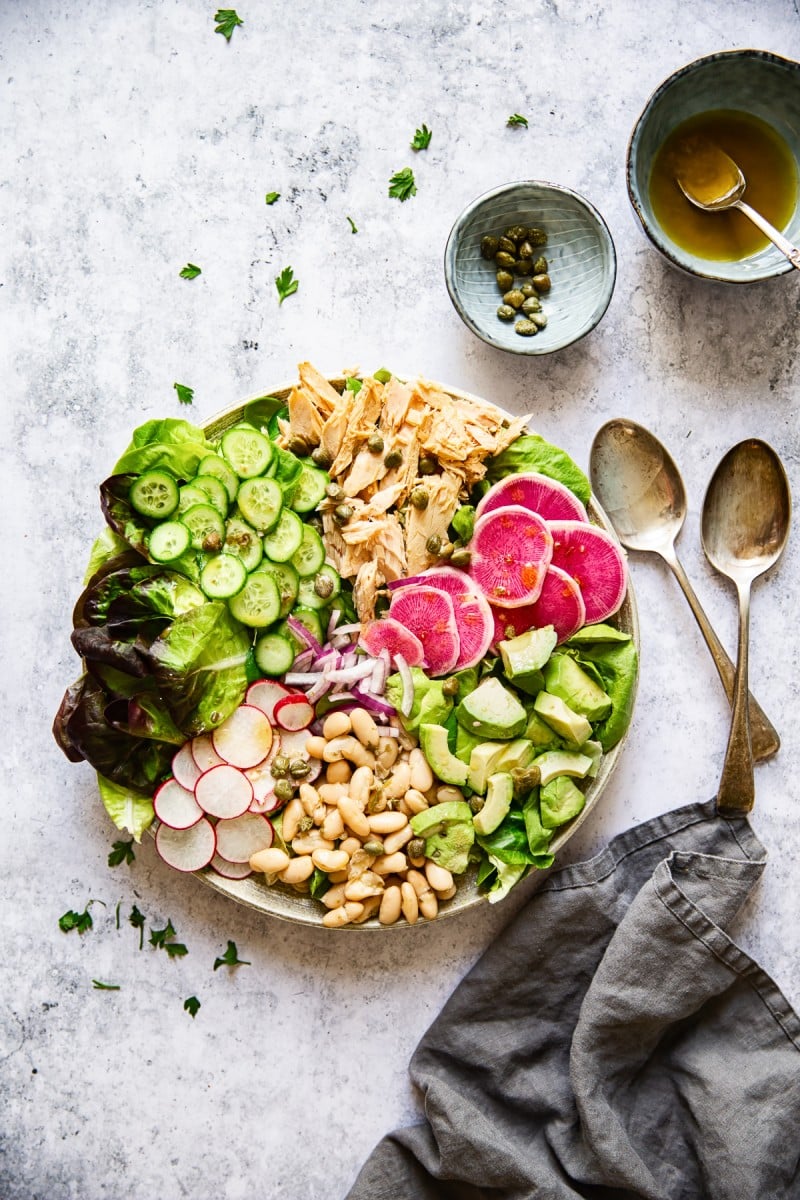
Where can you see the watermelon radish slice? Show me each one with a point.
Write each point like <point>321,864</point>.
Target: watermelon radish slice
<point>175,806</point>
<point>229,870</point>
<point>473,614</point>
<point>240,837</point>
<point>244,739</point>
<point>539,493</point>
<point>293,713</point>
<point>595,562</point>
<point>224,792</point>
<point>429,614</point>
<point>511,549</point>
<point>265,694</point>
<point>185,768</point>
<point>187,849</point>
<point>388,634</point>
<point>560,604</point>
<point>203,753</point>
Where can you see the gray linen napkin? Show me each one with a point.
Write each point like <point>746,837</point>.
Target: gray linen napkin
<point>613,1042</point>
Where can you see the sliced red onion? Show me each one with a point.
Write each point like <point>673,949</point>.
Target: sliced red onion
<point>327,660</point>
<point>333,622</point>
<point>301,678</point>
<point>348,630</point>
<point>318,690</point>
<point>350,674</point>
<point>373,704</point>
<point>389,731</point>
<point>394,584</point>
<point>301,633</point>
<point>379,674</point>
<point>404,671</point>
<point>304,659</point>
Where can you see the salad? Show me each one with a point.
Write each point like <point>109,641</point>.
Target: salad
<point>361,643</point>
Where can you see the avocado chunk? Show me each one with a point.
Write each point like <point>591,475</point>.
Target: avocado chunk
<point>433,739</point>
<point>564,678</point>
<point>524,657</point>
<point>560,762</point>
<point>492,711</point>
<point>448,832</point>
<point>518,753</point>
<point>466,743</point>
<point>499,794</point>
<point>571,726</point>
<point>541,735</point>
<point>594,751</point>
<point>481,764</point>
<point>559,801</point>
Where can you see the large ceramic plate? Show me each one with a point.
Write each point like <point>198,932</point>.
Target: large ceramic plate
<point>284,902</point>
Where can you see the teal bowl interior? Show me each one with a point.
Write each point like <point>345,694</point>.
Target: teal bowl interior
<point>751,81</point>
<point>581,264</point>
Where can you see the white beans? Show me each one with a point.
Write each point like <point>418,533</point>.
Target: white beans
<point>270,861</point>
<point>336,725</point>
<point>365,729</point>
<point>292,816</point>
<point>387,822</point>
<point>353,817</point>
<point>330,860</point>
<point>391,905</point>
<point>439,878</point>
<point>421,774</point>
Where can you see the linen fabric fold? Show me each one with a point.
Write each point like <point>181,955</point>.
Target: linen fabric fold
<point>613,1043</point>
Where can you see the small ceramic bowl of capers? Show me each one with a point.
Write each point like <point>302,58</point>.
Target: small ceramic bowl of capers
<point>530,267</point>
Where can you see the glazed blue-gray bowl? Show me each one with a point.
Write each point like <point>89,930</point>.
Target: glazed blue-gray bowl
<point>582,264</point>
<point>751,81</point>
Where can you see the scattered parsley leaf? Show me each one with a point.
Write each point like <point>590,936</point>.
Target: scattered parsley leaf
<point>226,21</point>
<point>191,1005</point>
<point>137,921</point>
<point>231,958</point>
<point>119,906</point>
<point>105,987</point>
<point>286,283</point>
<point>421,139</point>
<point>271,197</point>
<point>121,852</point>
<point>190,271</point>
<point>353,226</point>
<point>175,949</point>
<point>516,119</point>
<point>74,920</point>
<point>353,385</point>
<point>402,184</point>
<point>185,394</point>
<point>159,936</point>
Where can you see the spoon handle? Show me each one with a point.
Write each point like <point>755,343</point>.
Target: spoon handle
<point>736,793</point>
<point>765,739</point>
<point>786,247</point>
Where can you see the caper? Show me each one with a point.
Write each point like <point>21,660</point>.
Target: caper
<point>476,803</point>
<point>279,766</point>
<point>536,236</point>
<point>542,283</point>
<point>298,445</point>
<point>375,848</point>
<point>506,313</point>
<point>526,328</point>
<point>505,243</point>
<point>426,465</point>
<point>434,544</point>
<point>461,557</point>
<point>540,265</point>
<point>488,246</point>
<point>323,586</point>
<point>525,779</point>
<point>212,541</point>
<point>342,514</point>
<point>375,443</point>
<point>505,280</point>
<point>393,459</point>
<point>321,457</point>
<point>334,491</point>
<point>539,319</point>
<point>516,233</point>
<point>446,550</point>
<point>283,790</point>
<point>532,305</point>
<point>299,768</point>
<point>525,249</point>
<point>305,824</point>
<point>528,290</point>
<point>515,298</point>
<point>504,259</point>
<point>450,686</point>
<point>415,848</point>
<point>419,498</point>
<point>523,266</point>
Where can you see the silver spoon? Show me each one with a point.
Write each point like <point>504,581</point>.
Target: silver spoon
<point>641,490</point>
<point>745,524</point>
<point>716,183</point>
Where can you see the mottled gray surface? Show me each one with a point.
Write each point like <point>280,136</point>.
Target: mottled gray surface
<point>134,140</point>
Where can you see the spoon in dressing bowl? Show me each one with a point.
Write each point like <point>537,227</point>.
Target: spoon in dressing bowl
<point>641,490</point>
<point>745,525</point>
<point>712,181</point>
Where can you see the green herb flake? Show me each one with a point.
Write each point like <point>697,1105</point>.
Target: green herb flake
<point>105,987</point>
<point>190,271</point>
<point>226,21</point>
<point>119,906</point>
<point>185,394</point>
<point>192,1006</point>
<point>271,197</point>
<point>353,385</point>
<point>74,920</point>
<point>382,375</point>
<point>136,919</point>
<point>517,119</point>
<point>121,852</point>
<point>353,226</point>
<point>402,185</point>
<point>231,958</point>
<point>175,949</point>
<point>421,139</point>
<point>286,283</point>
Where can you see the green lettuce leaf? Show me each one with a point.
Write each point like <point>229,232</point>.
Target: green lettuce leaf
<point>128,810</point>
<point>170,443</point>
<point>106,547</point>
<point>530,452</point>
<point>616,663</point>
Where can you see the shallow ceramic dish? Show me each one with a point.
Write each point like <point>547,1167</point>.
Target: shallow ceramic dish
<point>752,81</point>
<point>580,252</point>
<point>283,901</point>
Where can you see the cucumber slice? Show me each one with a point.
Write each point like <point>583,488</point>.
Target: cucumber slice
<point>286,538</point>
<point>154,494</point>
<point>223,576</point>
<point>258,604</point>
<point>287,581</point>
<point>260,502</point>
<point>242,540</point>
<point>215,492</point>
<point>206,527</point>
<point>168,541</point>
<point>309,489</point>
<point>274,654</point>
<point>312,596</point>
<point>307,617</point>
<point>214,464</point>
<point>248,452</point>
<point>189,496</point>
<point>310,555</point>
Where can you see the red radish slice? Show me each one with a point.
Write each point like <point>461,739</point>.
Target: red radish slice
<point>388,634</point>
<point>472,612</point>
<point>293,713</point>
<point>184,767</point>
<point>265,694</point>
<point>229,870</point>
<point>539,493</point>
<point>242,836</point>
<point>511,550</point>
<point>224,792</point>
<point>175,806</point>
<point>560,604</point>
<point>244,739</point>
<point>268,803</point>
<point>203,752</point>
<point>293,744</point>
<point>595,562</point>
<point>429,614</point>
<point>187,849</point>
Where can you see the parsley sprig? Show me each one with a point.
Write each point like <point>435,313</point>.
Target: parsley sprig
<point>74,920</point>
<point>185,394</point>
<point>121,852</point>
<point>191,1005</point>
<point>226,21</point>
<point>231,958</point>
<point>190,271</point>
<point>517,119</point>
<point>136,919</point>
<point>421,139</point>
<point>402,185</point>
<point>163,939</point>
<point>105,987</point>
<point>286,284</point>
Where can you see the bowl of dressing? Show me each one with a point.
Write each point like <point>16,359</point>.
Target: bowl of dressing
<point>747,103</point>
